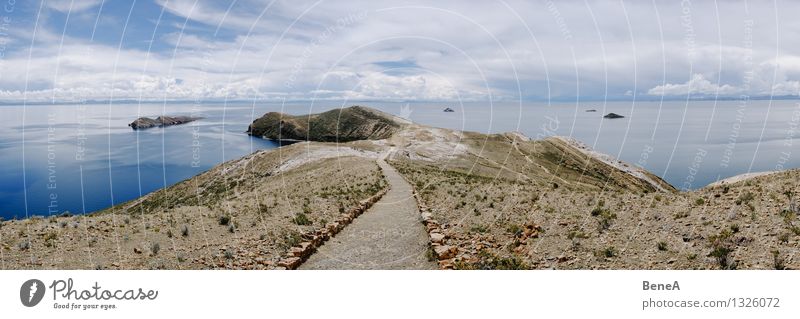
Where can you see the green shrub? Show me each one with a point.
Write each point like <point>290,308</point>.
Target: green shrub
<point>155,248</point>
<point>722,245</point>
<point>604,218</point>
<point>514,229</point>
<point>608,252</point>
<point>224,220</point>
<point>301,219</point>
<point>489,261</point>
<point>777,260</point>
<point>479,229</point>
<point>746,197</point>
<point>577,234</point>
<point>292,239</point>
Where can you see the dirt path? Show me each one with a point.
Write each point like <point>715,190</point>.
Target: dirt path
<point>389,235</point>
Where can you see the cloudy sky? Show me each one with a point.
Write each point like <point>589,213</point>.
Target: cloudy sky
<point>73,50</point>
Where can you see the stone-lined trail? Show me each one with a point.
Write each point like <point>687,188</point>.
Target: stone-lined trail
<point>389,235</point>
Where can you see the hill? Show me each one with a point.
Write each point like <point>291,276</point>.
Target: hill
<point>340,125</point>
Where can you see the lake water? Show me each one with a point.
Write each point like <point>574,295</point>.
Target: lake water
<point>83,158</point>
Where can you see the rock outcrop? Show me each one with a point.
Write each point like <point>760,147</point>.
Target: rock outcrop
<point>161,121</point>
<point>339,125</point>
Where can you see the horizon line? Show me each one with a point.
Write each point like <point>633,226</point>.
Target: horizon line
<point>539,100</point>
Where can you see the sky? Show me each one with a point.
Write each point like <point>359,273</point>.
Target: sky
<point>268,50</point>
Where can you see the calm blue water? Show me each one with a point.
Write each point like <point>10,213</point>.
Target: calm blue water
<point>75,150</point>
<point>67,144</point>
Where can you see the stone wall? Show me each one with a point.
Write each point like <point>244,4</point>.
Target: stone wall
<point>314,239</point>
<point>438,239</point>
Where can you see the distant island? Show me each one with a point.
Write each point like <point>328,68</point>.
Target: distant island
<point>448,110</point>
<point>613,116</point>
<point>161,121</point>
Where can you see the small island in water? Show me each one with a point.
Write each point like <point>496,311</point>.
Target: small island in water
<point>161,121</point>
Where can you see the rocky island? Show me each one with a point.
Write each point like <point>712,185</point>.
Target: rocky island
<point>340,125</point>
<point>161,121</point>
<point>613,116</point>
<point>452,200</point>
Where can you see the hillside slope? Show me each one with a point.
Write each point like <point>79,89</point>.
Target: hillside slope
<point>339,125</point>
<point>242,214</point>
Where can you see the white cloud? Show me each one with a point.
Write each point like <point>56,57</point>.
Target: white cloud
<point>696,85</point>
<point>451,50</point>
<point>72,5</point>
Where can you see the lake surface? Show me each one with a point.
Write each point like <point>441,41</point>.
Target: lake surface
<point>83,158</point>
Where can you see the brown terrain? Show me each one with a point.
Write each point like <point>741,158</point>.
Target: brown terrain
<point>441,198</point>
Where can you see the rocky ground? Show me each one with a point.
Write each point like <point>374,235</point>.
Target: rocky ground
<point>243,214</point>
<point>498,201</point>
<point>496,223</point>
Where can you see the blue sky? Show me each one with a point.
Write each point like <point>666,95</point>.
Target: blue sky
<point>73,50</point>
